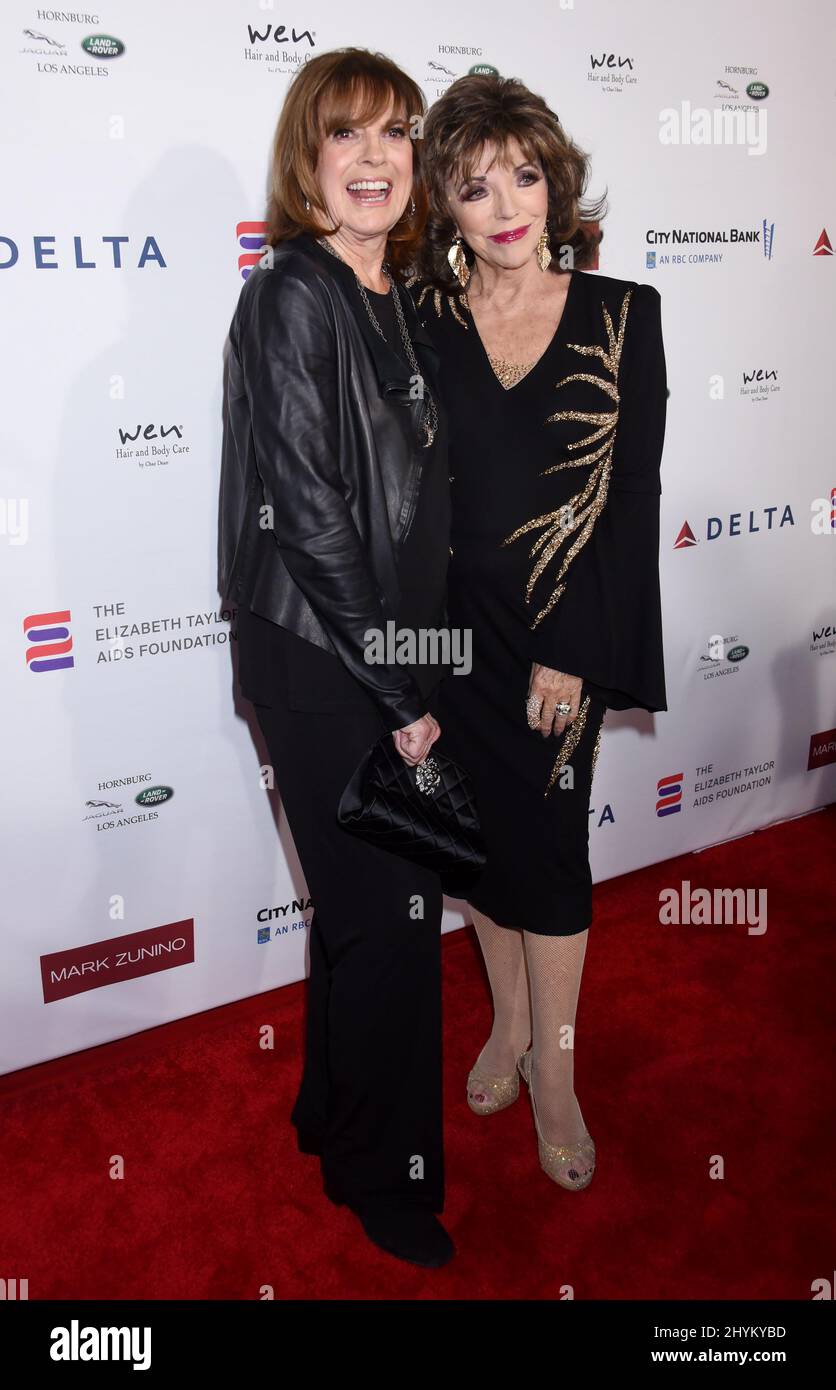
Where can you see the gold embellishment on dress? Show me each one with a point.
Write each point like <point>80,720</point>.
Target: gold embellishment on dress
<point>571,737</point>
<point>509,373</point>
<point>582,510</point>
<point>596,749</point>
<point>438,295</point>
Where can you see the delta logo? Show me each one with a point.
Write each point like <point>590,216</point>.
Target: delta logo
<point>116,252</point>
<point>737,524</point>
<point>51,641</point>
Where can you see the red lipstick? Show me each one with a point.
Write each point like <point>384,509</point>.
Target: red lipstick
<point>510,236</point>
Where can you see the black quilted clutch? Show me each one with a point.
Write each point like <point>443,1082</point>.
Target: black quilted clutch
<point>426,814</point>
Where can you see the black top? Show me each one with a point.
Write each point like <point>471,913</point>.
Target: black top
<point>422,563</point>
<point>556,489</point>
<point>267,651</point>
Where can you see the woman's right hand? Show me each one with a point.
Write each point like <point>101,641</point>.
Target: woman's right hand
<point>415,740</point>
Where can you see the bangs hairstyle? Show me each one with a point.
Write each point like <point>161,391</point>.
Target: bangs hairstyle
<point>482,109</point>
<point>347,87</point>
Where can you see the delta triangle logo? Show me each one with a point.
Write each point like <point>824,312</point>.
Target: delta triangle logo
<point>823,247</point>
<point>685,538</point>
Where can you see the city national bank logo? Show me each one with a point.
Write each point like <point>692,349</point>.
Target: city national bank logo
<point>78,1342</point>
<point>250,238</point>
<point>51,639</point>
<point>669,794</point>
<point>280,916</point>
<point>85,255</point>
<point>80,968</point>
<point>717,527</point>
<point>822,749</point>
<point>718,237</point>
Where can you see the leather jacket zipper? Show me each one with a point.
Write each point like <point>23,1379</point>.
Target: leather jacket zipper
<point>414,494</point>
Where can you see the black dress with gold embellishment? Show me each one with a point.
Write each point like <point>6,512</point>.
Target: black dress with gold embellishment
<point>555,480</point>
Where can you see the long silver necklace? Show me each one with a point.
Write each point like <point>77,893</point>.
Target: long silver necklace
<point>430,423</point>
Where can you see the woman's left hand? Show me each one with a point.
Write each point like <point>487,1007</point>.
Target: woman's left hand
<point>546,689</point>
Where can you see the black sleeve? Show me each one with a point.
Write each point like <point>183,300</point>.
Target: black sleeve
<point>607,625</point>
<point>288,351</point>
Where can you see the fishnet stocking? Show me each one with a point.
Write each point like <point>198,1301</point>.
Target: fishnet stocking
<point>555,966</point>
<point>535,983</point>
<point>502,949</point>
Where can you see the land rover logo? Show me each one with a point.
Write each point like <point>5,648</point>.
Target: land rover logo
<point>103,46</point>
<point>737,653</point>
<point>154,796</point>
<point>757,91</point>
<point>483,70</point>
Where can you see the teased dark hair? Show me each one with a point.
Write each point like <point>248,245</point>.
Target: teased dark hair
<point>345,87</point>
<point>484,109</point>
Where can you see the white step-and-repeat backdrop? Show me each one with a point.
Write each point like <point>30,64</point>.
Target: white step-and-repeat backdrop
<point>147,873</point>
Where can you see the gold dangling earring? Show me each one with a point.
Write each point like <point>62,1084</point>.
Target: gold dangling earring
<point>458,264</point>
<point>544,255</point>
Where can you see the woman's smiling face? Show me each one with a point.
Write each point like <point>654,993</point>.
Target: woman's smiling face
<point>501,209</point>
<point>378,154</point>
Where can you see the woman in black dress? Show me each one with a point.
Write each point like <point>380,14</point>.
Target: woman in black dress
<point>329,443</point>
<point>555,385</point>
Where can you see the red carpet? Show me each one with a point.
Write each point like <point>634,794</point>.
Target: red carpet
<point>693,1041</point>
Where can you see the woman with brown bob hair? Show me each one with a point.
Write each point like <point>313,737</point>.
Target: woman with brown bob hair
<point>334,522</point>
<point>555,383</point>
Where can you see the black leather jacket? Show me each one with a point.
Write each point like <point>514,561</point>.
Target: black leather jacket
<point>314,448</point>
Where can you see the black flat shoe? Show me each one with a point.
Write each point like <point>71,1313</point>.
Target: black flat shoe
<point>409,1233</point>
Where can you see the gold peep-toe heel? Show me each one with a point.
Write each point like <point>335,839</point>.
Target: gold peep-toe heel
<point>570,1165</point>
<point>498,1092</point>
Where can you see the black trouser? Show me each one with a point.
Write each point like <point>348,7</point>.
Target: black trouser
<point>371,1092</point>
